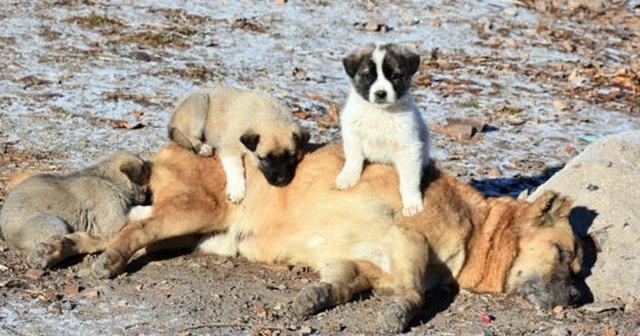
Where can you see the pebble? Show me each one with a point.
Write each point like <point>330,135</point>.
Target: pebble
<point>54,308</point>
<point>559,331</point>
<point>67,305</point>
<point>511,11</point>
<point>306,330</point>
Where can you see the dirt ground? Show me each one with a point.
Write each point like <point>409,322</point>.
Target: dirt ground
<point>79,79</point>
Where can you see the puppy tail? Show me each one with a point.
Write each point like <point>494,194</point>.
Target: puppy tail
<point>178,137</point>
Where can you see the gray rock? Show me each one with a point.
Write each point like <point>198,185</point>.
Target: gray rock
<point>604,183</point>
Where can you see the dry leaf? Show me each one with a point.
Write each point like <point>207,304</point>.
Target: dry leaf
<point>331,119</point>
<point>299,113</point>
<point>117,123</point>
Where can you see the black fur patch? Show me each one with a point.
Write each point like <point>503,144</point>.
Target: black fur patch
<point>398,67</point>
<point>360,67</point>
<point>279,168</point>
<point>250,140</point>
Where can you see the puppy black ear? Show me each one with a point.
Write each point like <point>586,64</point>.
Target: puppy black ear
<point>301,139</point>
<point>352,62</point>
<point>412,61</point>
<point>250,140</point>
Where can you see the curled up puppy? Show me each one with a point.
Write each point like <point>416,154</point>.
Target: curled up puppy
<point>56,216</point>
<point>380,122</point>
<point>237,122</point>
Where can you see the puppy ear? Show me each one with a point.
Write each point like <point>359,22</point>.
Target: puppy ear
<point>412,61</point>
<point>352,62</point>
<point>250,140</point>
<point>301,139</point>
<point>136,170</point>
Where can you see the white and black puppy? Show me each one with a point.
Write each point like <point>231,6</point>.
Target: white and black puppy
<point>380,122</point>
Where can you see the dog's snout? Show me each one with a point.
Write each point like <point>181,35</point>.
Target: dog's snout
<point>381,94</point>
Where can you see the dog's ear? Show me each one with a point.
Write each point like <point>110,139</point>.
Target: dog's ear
<point>409,60</point>
<point>301,138</point>
<point>250,140</point>
<point>352,62</point>
<point>137,170</point>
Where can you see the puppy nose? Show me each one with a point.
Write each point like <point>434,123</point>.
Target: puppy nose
<point>381,94</point>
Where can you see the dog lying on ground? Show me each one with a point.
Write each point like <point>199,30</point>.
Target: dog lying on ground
<point>57,216</point>
<point>237,122</point>
<point>357,239</point>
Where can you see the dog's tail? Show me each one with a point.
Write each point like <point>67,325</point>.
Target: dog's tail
<point>178,137</point>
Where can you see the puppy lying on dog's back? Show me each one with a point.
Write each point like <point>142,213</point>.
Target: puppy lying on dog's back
<point>237,122</point>
<point>54,216</point>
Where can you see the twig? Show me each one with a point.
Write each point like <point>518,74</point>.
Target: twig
<point>228,324</point>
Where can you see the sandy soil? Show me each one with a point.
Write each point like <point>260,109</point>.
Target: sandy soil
<point>80,79</point>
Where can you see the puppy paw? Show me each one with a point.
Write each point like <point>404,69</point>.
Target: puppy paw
<point>395,318</point>
<point>204,150</point>
<point>412,204</point>
<point>235,192</point>
<point>109,264</point>
<point>43,256</point>
<point>347,179</point>
<point>312,299</point>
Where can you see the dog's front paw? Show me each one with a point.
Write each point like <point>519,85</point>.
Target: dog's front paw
<point>347,179</point>
<point>43,256</point>
<point>109,264</point>
<point>312,299</point>
<point>204,150</point>
<point>235,193</point>
<point>412,204</point>
<point>395,318</point>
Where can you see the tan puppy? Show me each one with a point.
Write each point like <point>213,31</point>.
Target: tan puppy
<point>55,216</point>
<point>357,239</point>
<point>238,122</point>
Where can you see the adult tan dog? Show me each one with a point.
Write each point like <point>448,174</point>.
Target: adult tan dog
<point>357,239</point>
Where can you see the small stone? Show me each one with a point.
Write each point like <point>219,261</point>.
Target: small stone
<point>122,303</point>
<point>228,265</point>
<point>71,290</point>
<point>306,330</point>
<point>511,11</point>
<point>3,268</point>
<point>261,312</point>
<point>67,305</point>
<point>512,44</point>
<point>410,21</point>
<point>141,56</point>
<point>559,331</point>
<point>92,294</point>
<point>332,328</point>
<point>34,274</point>
<point>54,308</point>
<point>459,132</point>
<point>560,105</point>
<point>278,307</point>
<point>568,46</point>
<point>558,309</point>
<point>494,173</point>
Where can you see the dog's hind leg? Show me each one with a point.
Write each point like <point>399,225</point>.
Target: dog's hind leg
<point>339,281</point>
<point>58,248</point>
<point>409,261</point>
<point>136,235</point>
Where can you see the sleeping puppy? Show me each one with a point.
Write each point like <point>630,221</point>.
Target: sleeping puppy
<point>380,122</point>
<point>237,122</point>
<point>55,216</point>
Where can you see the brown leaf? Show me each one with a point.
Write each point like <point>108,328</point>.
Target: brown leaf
<point>276,268</point>
<point>118,123</point>
<point>477,125</point>
<point>281,2</point>
<point>316,97</point>
<point>71,290</point>
<point>92,294</point>
<point>610,332</point>
<point>331,119</point>
<point>299,113</point>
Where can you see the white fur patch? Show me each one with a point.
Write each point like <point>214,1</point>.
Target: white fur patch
<point>234,169</point>
<point>381,83</point>
<point>315,241</point>
<point>225,244</point>
<point>372,253</point>
<point>140,212</point>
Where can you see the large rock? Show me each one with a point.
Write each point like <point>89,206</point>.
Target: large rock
<point>604,182</point>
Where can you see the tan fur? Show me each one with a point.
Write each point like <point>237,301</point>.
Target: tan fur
<point>356,239</point>
<point>16,178</point>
